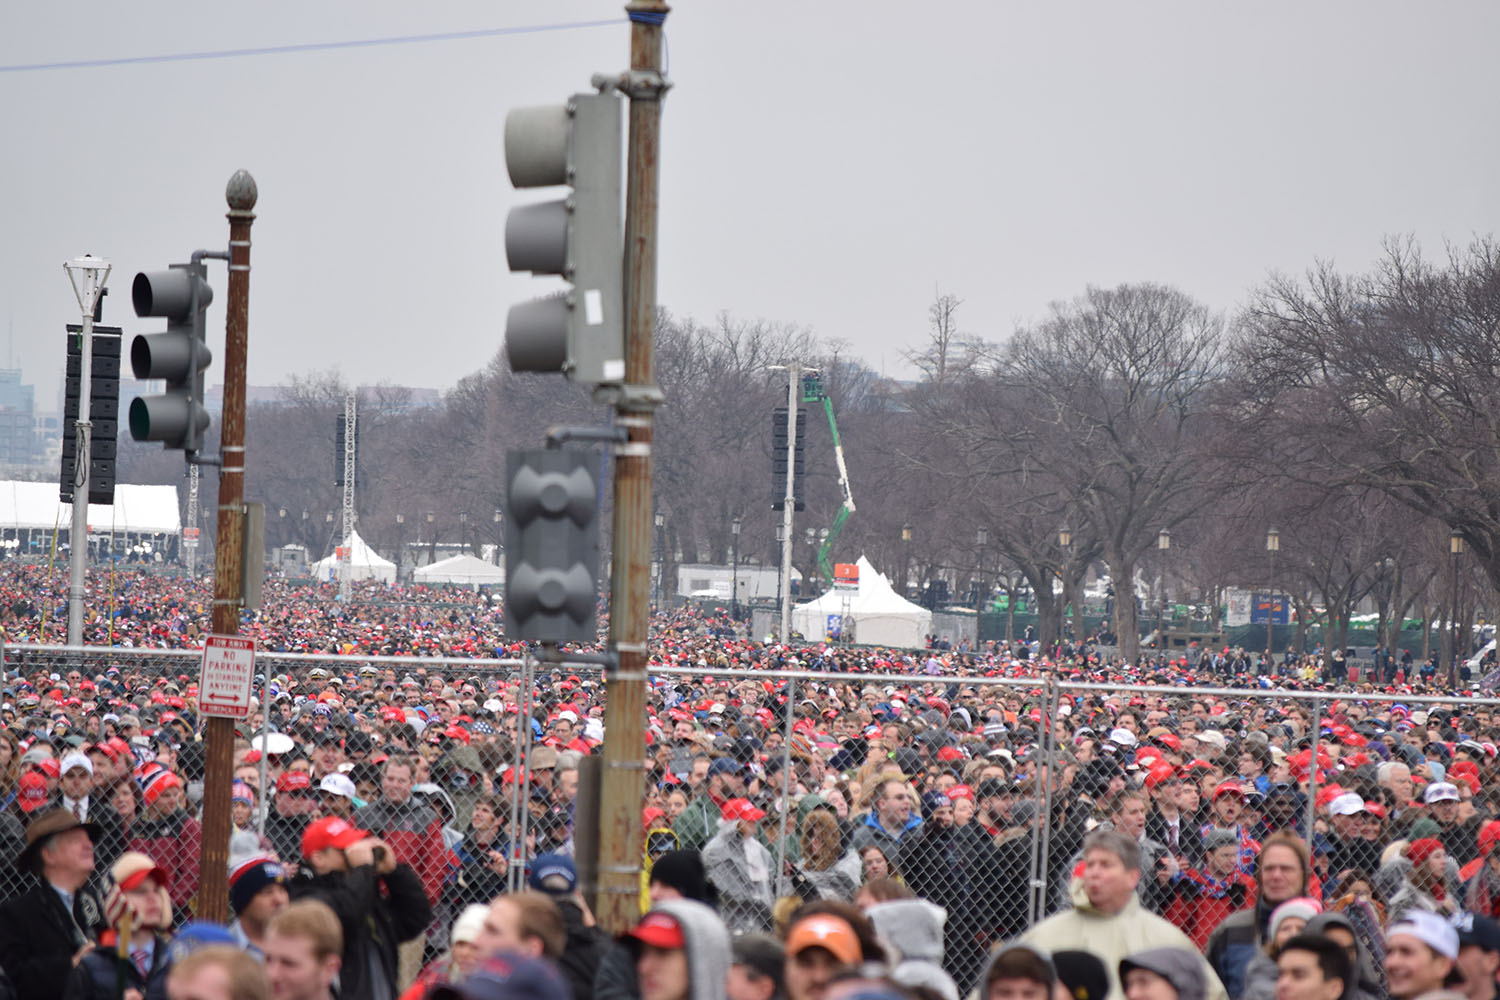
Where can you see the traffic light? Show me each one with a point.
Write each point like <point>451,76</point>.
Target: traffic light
<point>177,419</point>
<point>551,546</point>
<point>104,412</point>
<point>581,331</point>
<point>778,458</point>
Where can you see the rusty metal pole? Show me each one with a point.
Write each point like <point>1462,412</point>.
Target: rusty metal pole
<point>213,885</point>
<point>630,581</point>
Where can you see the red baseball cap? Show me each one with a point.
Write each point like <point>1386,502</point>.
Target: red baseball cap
<point>659,930</point>
<point>330,831</point>
<point>742,809</point>
<point>293,781</point>
<point>1229,788</point>
<point>31,792</point>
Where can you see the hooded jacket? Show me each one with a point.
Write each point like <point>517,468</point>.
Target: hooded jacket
<point>1113,936</point>
<point>707,947</point>
<point>914,928</point>
<point>744,872</point>
<point>374,922</point>
<point>1183,969</point>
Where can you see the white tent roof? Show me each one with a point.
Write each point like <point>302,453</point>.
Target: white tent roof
<point>880,616</point>
<point>464,568</point>
<point>364,563</point>
<point>136,510</point>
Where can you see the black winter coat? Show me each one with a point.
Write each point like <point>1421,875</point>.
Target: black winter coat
<point>38,939</point>
<point>378,913</point>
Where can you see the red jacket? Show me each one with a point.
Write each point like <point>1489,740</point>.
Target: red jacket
<point>415,833</point>
<point>176,844</point>
<point>1199,903</point>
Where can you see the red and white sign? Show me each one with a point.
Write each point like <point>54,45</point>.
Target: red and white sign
<point>190,532</point>
<point>228,674</point>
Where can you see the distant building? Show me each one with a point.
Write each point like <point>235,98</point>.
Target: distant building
<point>19,443</point>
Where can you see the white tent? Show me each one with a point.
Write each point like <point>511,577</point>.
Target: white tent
<point>873,615</point>
<point>465,569</point>
<point>137,510</point>
<point>364,564</point>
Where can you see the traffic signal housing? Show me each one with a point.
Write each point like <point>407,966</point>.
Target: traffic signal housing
<point>177,418</point>
<point>551,546</point>
<point>581,331</point>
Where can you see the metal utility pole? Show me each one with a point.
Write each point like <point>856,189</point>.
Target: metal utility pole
<point>213,892</point>
<point>93,272</point>
<point>793,383</point>
<point>635,405</point>
<point>346,567</point>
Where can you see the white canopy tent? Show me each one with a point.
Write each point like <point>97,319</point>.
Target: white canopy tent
<point>364,564</point>
<point>465,569</point>
<point>872,615</point>
<point>137,510</point>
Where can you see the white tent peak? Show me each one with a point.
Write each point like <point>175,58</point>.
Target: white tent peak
<point>873,615</point>
<point>364,563</point>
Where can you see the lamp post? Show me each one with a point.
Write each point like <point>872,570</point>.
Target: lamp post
<point>463,531</point>
<point>498,518</point>
<point>1163,546</point>
<point>1455,549</point>
<point>661,562</point>
<point>982,537</point>
<point>734,599</point>
<point>1064,542</point>
<point>400,544</point>
<point>906,560</point>
<point>1273,546</point>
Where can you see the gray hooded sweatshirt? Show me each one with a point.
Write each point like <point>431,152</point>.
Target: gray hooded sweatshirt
<point>914,927</point>
<point>707,949</point>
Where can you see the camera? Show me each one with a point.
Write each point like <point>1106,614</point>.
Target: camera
<point>378,854</point>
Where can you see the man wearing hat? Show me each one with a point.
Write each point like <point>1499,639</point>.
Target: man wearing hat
<point>257,892</point>
<point>700,820</point>
<point>43,930</point>
<point>741,868</point>
<point>1478,955</point>
<point>1018,972</point>
<point>556,876</point>
<point>1421,952</point>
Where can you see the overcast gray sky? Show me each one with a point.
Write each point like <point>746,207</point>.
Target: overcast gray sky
<point>825,164</point>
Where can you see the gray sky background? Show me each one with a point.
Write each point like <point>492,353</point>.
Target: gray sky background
<point>831,165</point>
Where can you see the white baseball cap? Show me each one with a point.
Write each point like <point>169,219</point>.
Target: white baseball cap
<point>1123,737</point>
<point>337,784</point>
<point>1348,804</point>
<point>1440,791</point>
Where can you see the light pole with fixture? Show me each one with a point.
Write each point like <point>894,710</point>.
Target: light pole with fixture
<point>1163,546</point>
<point>906,560</point>
<point>1455,549</point>
<point>1273,546</point>
<point>661,562</point>
<point>982,537</point>
<point>1064,542</point>
<point>734,599</point>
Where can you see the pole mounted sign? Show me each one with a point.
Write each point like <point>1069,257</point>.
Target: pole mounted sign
<point>228,672</point>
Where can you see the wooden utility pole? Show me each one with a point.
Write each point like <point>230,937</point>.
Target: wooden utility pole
<point>213,885</point>
<point>620,842</point>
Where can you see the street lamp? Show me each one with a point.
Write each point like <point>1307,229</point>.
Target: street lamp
<point>906,560</point>
<point>780,545</point>
<point>1455,549</point>
<point>983,538</point>
<point>661,561</point>
<point>463,530</point>
<point>1273,546</point>
<point>734,600</point>
<point>1163,546</point>
<point>498,518</point>
<point>1065,542</point>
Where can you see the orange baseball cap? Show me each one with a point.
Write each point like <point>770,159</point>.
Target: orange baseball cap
<point>826,931</point>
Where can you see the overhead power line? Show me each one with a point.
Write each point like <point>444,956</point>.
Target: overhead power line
<point>271,50</point>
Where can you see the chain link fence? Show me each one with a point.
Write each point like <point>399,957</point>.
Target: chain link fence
<point>975,793</point>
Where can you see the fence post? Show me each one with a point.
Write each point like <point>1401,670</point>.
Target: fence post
<point>1312,773</point>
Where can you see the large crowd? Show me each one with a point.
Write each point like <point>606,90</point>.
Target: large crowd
<point>406,829</point>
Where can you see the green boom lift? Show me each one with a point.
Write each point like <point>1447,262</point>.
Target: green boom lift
<point>812,392</point>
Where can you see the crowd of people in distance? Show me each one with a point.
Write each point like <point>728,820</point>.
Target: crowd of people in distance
<point>896,823</point>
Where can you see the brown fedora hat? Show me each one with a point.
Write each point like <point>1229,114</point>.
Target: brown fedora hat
<point>48,824</point>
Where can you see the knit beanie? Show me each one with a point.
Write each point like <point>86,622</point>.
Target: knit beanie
<point>1304,907</point>
<point>683,871</point>
<point>1419,851</point>
<point>251,876</point>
